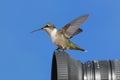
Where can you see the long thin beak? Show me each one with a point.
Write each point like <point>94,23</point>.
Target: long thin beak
<point>36,30</point>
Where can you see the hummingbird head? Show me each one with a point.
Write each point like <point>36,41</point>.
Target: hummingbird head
<point>49,27</point>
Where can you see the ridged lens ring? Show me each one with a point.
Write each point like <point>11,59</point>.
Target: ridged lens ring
<point>64,67</point>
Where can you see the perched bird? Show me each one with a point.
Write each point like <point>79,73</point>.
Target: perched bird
<point>62,37</point>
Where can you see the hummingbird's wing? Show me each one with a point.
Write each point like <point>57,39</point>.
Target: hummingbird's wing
<point>73,27</point>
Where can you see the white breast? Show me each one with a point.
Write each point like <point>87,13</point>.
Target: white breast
<point>53,35</point>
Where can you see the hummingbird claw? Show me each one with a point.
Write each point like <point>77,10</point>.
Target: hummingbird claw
<point>56,50</point>
<point>59,50</point>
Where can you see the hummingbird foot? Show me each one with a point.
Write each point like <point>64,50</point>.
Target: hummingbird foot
<point>59,50</point>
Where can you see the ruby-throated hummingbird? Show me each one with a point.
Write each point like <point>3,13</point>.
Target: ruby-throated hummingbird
<point>62,37</point>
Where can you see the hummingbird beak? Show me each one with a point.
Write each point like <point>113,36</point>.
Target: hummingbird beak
<point>36,30</point>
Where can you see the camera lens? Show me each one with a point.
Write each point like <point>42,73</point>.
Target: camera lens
<point>64,67</point>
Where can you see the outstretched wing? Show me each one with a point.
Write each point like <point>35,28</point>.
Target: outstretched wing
<point>73,27</point>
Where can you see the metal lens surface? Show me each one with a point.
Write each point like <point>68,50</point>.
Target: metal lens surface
<point>64,67</point>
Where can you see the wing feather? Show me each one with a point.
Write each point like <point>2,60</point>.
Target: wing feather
<point>73,27</point>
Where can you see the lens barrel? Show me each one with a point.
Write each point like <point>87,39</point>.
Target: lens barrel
<point>64,67</point>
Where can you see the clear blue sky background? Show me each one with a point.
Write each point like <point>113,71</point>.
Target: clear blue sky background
<point>26,56</point>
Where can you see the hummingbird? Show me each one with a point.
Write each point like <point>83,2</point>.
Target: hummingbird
<point>62,37</point>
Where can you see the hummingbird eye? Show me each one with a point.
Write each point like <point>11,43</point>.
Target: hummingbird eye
<point>47,25</point>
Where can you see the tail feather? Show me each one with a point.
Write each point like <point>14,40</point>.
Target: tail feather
<point>76,47</point>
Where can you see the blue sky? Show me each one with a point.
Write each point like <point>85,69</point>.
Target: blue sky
<point>26,56</point>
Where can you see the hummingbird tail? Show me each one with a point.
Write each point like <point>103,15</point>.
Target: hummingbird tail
<point>81,49</point>
<point>75,47</point>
